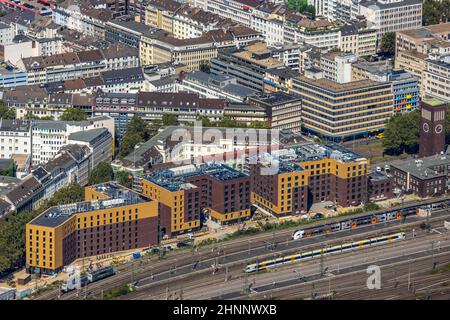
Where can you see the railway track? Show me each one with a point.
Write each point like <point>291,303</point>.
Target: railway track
<point>395,283</point>
<point>201,281</point>
<point>253,245</point>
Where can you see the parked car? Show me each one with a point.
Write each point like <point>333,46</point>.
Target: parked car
<point>181,244</point>
<point>154,250</point>
<point>318,216</point>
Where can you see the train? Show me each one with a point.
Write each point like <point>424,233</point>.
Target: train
<point>372,218</point>
<point>100,274</point>
<point>370,242</point>
<point>93,276</point>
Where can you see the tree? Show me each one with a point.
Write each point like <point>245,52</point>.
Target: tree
<point>102,173</point>
<point>124,178</point>
<point>302,7</point>
<point>402,133</point>
<point>73,114</point>
<point>205,121</point>
<point>129,141</point>
<point>30,116</point>
<point>260,124</point>
<point>5,112</point>
<point>170,119</point>
<point>388,42</point>
<point>311,10</point>
<point>204,66</point>
<point>10,171</point>
<point>435,11</point>
<point>138,126</point>
<point>154,126</point>
<point>12,227</point>
<point>137,131</point>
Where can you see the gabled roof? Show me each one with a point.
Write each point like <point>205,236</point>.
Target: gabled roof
<point>24,190</point>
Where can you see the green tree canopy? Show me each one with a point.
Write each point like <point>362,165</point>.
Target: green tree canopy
<point>260,124</point>
<point>73,114</point>
<point>388,42</point>
<point>30,116</point>
<point>402,133</point>
<point>302,6</point>
<point>138,126</point>
<point>124,178</point>
<point>10,171</point>
<point>435,12</point>
<point>154,126</point>
<point>12,227</point>
<point>102,173</point>
<point>170,119</point>
<point>129,141</point>
<point>137,131</point>
<point>5,112</point>
<point>205,121</point>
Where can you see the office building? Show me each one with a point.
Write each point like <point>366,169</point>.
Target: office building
<point>338,111</point>
<point>248,65</point>
<point>391,15</point>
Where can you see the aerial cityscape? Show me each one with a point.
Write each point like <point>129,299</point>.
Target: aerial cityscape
<point>239,150</point>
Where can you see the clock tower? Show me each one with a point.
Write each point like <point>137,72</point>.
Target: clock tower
<point>432,127</point>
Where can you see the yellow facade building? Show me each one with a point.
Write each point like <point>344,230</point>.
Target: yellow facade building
<point>112,218</point>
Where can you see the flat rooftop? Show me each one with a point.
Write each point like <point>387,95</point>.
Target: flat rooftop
<point>291,159</point>
<point>120,196</point>
<point>256,49</point>
<point>423,168</point>
<point>275,98</point>
<point>439,28</point>
<point>332,86</point>
<point>434,102</point>
<point>314,151</point>
<point>417,33</point>
<point>278,161</point>
<point>174,179</point>
<point>378,176</point>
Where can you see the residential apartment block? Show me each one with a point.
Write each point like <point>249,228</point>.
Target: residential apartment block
<point>420,52</point>
<point>69,66</point>
<point>185,190</point>
<point>112,218</point>
<point>15,138</point>
<point>306,175</point>
<point>391,15</point>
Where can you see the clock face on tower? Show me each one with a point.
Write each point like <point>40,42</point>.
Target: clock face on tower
<point>438,129</point>
<point>426,127</point>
